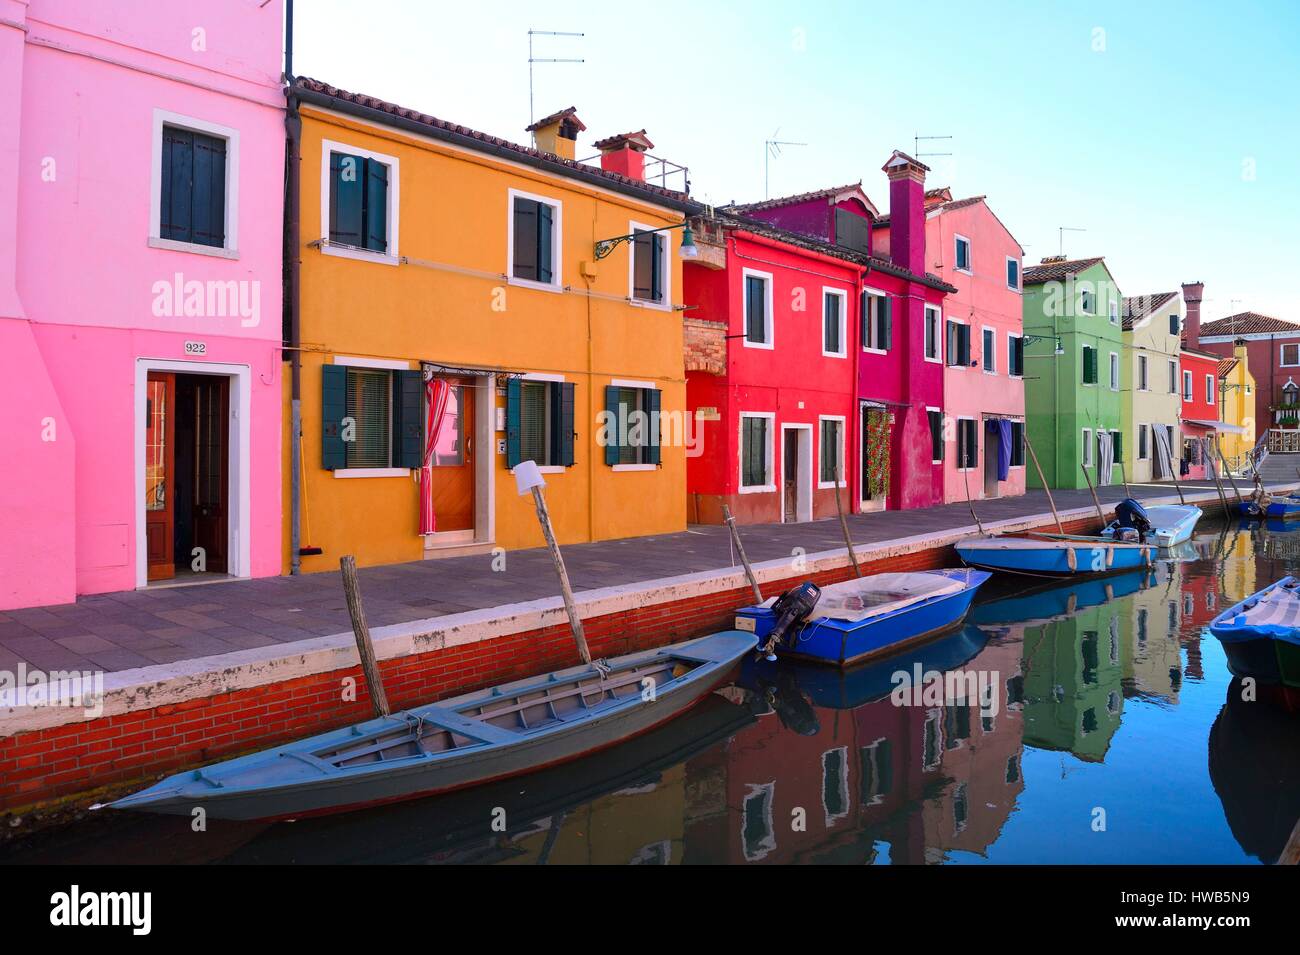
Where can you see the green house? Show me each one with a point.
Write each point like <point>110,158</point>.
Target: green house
<point>1073,359</point>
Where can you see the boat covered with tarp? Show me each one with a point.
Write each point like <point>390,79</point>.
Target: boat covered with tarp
<point>1261,635</point>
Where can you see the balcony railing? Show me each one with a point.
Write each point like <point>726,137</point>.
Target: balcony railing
<point>1283,440</point>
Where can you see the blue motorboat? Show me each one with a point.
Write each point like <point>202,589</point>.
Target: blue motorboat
<point>1054,555</point>
<point>1283,508</point>
<point>1056,599</point>
<point>1164,525</point>
<point>850,622</point>
<point>1261,635</point>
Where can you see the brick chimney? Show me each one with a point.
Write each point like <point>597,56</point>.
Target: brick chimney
<point>1192,292</point>
<point>906,211</point>
<point>625,154</point>
<point>557,134</point>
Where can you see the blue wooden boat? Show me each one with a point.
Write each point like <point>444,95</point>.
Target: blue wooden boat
<point>1054,555</point>
<point>490,734</point>
<point>1283,508</point>
<point>1171,524</point>
<point>1261,635</point>
<point>1055,600</point>
<point>863,618</point>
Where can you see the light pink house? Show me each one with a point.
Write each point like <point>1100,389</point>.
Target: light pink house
<point>968,247</point>
<point>141,184</point>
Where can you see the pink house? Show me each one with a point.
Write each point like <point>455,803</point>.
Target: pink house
<point>983,358</point>
<point>141,184</point>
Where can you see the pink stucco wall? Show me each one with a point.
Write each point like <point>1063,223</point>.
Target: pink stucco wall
<point>80,286</point>
<point>983,299</point>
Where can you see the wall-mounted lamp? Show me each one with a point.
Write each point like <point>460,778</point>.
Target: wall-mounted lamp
<point>688,249</point>
<point>1031,339</point>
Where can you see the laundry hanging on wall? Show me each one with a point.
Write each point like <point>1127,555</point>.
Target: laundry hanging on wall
<point>1105,457</point>
<point>1164,454</point>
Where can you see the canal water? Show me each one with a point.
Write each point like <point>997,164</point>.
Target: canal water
<point>1111,732</point>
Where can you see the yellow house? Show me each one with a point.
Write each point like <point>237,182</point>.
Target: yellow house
<point>1237,405</point>
<point>455,318</point>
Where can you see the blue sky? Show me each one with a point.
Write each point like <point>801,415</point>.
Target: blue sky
<point>1171,136</point>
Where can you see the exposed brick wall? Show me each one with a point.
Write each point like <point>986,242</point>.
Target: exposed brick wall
<point>705,343</point>
<point>44,765</point>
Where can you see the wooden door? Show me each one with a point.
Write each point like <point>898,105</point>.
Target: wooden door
<point>790,475</point>
<point>453,462</point>
<point>159,474</point>
<point>211,469</point>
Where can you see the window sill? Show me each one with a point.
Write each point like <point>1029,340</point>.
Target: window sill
<point>546,469</point>
<point>758,489</point>
<point>646,303</point>
<point>875,351</point>
<point>361,255</point>
<point>765,345</point>
<point>634,467</point>
<point>539,286</point>
<point>171,245</point>
<point>935,361</point>
<point>371,472</point>
<point>830,485</point>
<point>833,354</point>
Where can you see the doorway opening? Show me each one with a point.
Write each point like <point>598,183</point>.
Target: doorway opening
<point>873,470</point>
<point>796,473</point>
<point>187,476</point>
<point>992,449</point>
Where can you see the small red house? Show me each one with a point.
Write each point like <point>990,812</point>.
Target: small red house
<point>793,390</point>
<point>1199,409</point>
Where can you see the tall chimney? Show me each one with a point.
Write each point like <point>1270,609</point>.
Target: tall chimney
<point>1192,292</point>
<point>557,134</point>
<point>625,154</point>
<point>906,211</point>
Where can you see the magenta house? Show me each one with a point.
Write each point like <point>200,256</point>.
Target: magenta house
<point>896,436</point>
<point>142,169</point>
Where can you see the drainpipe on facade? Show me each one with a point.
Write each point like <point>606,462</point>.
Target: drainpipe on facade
<point>293,243</point>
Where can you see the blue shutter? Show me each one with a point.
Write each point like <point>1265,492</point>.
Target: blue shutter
<point>408,429</point>
<point>652,406</point>
<point>376,206</point>
<point>657,244</point>
<point>564,438</point>
<point>513,428</point>
<point>208,201</point>
<point>177,185</point>
<point>346,186</point>
<point>614,419</point>
<point>886,323</point>
<point>545,216</point>
<point>524,254</point>
<point>333,409</point>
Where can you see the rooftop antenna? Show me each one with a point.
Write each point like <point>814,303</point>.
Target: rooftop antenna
<point>916,146</point>
<point>532,118</point>
<point>1060,235</point>
<point>772,149</point>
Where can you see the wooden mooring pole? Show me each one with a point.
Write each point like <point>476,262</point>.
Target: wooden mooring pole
<point>965,476</point>
<point>365,648</point>
<point>844,523</point>
<point>1101,516</point>
<point>1227,472</point>
<point>740,549</point>
<point>1123,476</point>
<point>557,560</point>
<point>1039,468</point>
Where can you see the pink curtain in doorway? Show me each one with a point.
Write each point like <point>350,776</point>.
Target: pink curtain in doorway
<point>436,393</point>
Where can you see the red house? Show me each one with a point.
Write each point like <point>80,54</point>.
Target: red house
<point>789,384</point>
<point>1199,412</point>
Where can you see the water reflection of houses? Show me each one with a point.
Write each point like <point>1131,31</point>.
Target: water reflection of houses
<point>1153,668</point>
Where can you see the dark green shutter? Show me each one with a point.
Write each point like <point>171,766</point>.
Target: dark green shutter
<point>656,267</point>
<point>652,406</point>
<point>376,206</point>
<point>562,437</point>
<point>177,166</point>
<point>525,250</point>
<point>863,319</point>
<point>614,419</point>
<point>513,428</point>
<point>886,323</point>
<point>208,199</point>
<point>346,195</point>
<point>408,429</point>
<point>333,409</point>
<point>1117,441</point>
<point>545,216</point>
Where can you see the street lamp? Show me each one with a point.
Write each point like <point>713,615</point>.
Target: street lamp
<point>688,249</point>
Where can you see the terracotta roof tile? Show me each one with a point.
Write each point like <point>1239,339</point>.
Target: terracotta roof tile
<point>1248,323</point>
<point>472,138</point>
<point>1056,271</point>
<point>570,112</point>
<point>634,138</point>
<point>1138,307</point>
<point>1226,365</point>
<point>746,207</point>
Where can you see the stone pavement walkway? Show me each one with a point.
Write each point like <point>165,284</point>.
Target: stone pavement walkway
<point>122,631</point>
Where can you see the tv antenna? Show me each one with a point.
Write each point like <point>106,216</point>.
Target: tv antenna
<point>772,150</point>
<point>532,118</point>
<point>917,139</point>
<point>1060,236</point>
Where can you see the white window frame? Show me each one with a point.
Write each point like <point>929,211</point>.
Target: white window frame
<point>955,321</point>
<point>1114,312</point>
<point>665,265</point>
<point>943,450</point>
<point>957,239</point>
<point>557,242</point>
<point>935,311</point>
<point>985,351</point>
<point>1210,395</point>
<point>957,444</point>
<point>769,454</point>
<point>1143,374</point>
<point>1143,429</point>
<point>844,474</point>
<point>1012,336</point>
<point>1010,260</point>
<point>843,296</point>
<point>547,377</point>
<point>1085,288</point>
<point>230,246</point>
<point>1083,359</point>
<point>391,224</point>
<point>382,364</point>
<point>1114,371</point>
<point>769,320</point>
<point>1189,394</point>
<point>1173,368</point>
<point>868,291</point>
<point>1086,457</point>
<point>1281,355</point>
<point>643,386</point>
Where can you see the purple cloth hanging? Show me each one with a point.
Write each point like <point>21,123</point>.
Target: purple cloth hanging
<point>1004,449</point>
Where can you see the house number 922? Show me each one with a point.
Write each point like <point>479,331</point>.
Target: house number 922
<point>196,348</point>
